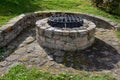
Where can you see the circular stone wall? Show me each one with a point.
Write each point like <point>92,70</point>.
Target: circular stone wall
<point>69,39</point>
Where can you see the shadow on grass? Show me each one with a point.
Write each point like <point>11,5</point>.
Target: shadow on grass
<point>15,7</point>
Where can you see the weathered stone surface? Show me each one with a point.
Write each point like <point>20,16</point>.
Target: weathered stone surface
<point>35,60</point>
<point>30,49</point>
<point>7,27</point>
<point>23,59</point>
<point>20,51</point>
<point>82,42</point>
<point>12,58</point>
<point>69,46</point>
<point>4,63</point>
<point>61,43</point>
<point>73,33</point>
<point>49,32</point>
<point>56,37</point>
<point>59,59</point>
<point>50,57</point>
<point>58,32</point>
<point>66,32</point>
<point>1,37</point>
<point>42,39</point>
<point>66,39</point>
<point>59,53</point>
<point>9,36</point>
<point>29,40</point>
<point>40,31</point>
<point>49,40</point>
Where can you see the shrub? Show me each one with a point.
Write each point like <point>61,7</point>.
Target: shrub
<point>111,6</point>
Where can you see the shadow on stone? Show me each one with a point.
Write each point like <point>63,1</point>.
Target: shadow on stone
<point>19,41</point>
<point>100,56</point>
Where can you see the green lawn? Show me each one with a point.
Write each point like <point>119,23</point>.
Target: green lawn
<point>20,72</point>
<point>9,9</point>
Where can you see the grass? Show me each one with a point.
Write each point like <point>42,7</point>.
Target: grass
<point>118,33</point>
<point>10,9</point>
<point>20,72</point>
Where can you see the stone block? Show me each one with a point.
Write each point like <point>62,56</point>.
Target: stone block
<point>66,32</point>
<point>1,36</point>
<point>42,38</point>
<point>65,39</point>
<point>40,31</point>
<point>57,32</point>
<point>59,42</point>
<point>73,33</point>
<point>49,40</point>
<point>69,46</point>
<point>82,42</point>
<point>81,33</point>
<point>56,37</point>
<point>91,33</point>
<point>7,27</point>
<point>49,32</point>
<point>10,36</point>
<point>48,45</point>
<point>3,43</point>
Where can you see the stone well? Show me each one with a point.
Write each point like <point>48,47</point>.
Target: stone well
<point>69,39</point>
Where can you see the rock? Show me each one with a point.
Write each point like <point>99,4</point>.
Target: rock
<point>50,63</point>
<point>69,58</point>
<point>4,63</point>
<point>23,59</point>
<point>48,32</point>
<point>1,37</point>
<point>42,62</point>
<point>116,73</point>
<point>43,55</point>
<point>50,57</point>
<point>29,40</point>
<point>59,59</point>
<point>30,49</point>
<point>12,58</point>
<point>118,64</point>
<point>32,55</point>
<point>11,47</point>
<point>115,43</point>
<point>35,60</point>
<point>59,53</point>
<point>22,45</point>
<point>2,71</point>
<point>70,47</point>
<point>105,53</point>
<point>20,51</point>
<point>56,37</point>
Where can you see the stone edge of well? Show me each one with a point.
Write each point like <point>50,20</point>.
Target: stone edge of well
<point>14,26</point>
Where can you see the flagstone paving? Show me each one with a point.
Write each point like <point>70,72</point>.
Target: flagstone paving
<point>103,56</point>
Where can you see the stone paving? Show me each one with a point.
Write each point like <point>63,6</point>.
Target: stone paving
<point>103,56</point>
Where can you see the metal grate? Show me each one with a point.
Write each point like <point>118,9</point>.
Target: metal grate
<point>65,21</point>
